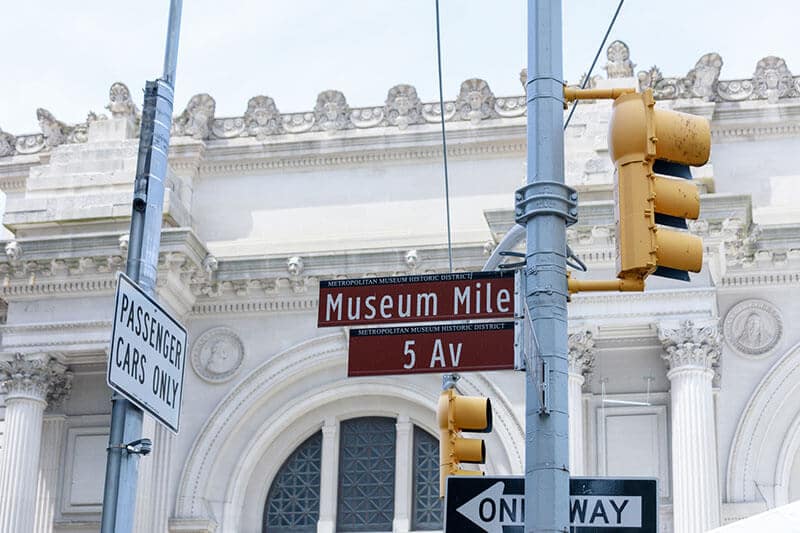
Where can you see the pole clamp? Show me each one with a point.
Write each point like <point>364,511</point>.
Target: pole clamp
<point>546,198</point>
<point>137,447</point>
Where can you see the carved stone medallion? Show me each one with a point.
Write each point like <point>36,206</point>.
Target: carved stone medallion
<point>217,355</point>
<point>753,328</point>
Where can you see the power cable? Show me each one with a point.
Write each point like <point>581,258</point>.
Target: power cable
<point>444,138</point>
<point>596,56</point>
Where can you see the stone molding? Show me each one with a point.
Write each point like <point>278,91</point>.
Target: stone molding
<point>36,377</point>
<point>690,345</point>
<point>771,81</point>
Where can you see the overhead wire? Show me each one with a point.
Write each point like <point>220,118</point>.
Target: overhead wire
<point>596,56</point>
<point>444,139</point>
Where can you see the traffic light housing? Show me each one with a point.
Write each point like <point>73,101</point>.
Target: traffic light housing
<point>455,414</point>
<point>651,149</point>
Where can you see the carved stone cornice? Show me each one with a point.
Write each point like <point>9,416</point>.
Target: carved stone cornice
<point>581,354</point>
<point>36,376</point>
<point>690,345</point>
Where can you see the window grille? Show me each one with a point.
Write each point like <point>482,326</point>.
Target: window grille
<point>293,500</point>
<point>366,474</point>
<point>426,506</point>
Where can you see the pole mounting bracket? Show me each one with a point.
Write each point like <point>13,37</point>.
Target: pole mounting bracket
<point>546,198</point>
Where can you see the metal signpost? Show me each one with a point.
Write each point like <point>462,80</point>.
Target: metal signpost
<point>124,441</point>
<point>496,504</point>
<point>545,206</point>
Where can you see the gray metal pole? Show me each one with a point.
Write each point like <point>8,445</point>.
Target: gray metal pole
<point>547,207</point>
<point>119,497</point>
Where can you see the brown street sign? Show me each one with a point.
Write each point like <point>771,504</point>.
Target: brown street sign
<point>424,298</point>
<point>435,348</point>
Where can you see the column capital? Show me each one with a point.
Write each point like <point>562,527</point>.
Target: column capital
<point>690,344</point>
<point>581,353</point>
<point>37,376</point>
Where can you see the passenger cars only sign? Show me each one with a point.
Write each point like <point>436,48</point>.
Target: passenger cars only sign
<point>147,359</point>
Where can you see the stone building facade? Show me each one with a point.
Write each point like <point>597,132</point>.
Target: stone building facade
<point>695,384</point>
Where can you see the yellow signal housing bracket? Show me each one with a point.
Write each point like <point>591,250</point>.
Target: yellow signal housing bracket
<point>626,284</point>
<point>572,94</point>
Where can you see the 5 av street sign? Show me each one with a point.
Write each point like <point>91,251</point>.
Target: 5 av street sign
<point>597,505</point>
<point>147,359</point>
<point>439,348</point>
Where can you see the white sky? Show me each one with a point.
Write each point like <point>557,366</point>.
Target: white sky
<point>64,55</point>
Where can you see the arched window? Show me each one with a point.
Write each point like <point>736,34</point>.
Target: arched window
<point>368,474</point>
<point>293,500</point>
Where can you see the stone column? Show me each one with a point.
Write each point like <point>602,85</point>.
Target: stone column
<point>581,360</point>
<point>690,351</point>
<point>30,382</point>
<point>153,498</point>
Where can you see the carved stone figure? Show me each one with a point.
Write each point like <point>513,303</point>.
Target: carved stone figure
<point>475,101</point>
<point>650,78</point>
<point>295,266</point>
<point>700,82</point>
<point>120,102</point>
<point>772,79</point>
<point>55,132</point>
<point>619,64</point>
<point>13,251</point>
<point>412,259</point>
<point>753,327</point>
<point>332,112</point>
<point>403,106</point>
<point>217,355</point>
<point>198,117</point>
<point>7,142</point>
<point>262,117</point>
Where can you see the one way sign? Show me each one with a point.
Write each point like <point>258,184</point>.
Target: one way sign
<point>597,505</point>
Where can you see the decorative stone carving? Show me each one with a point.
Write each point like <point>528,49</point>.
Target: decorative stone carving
<point>197,119</point>
<point>403,106</point>
<point>753,328</point>
<point>120,102</point>
<point>772,79</point>
<point>523,79</point>
<point>295,266</point>
<point>38,376</point>
<point>332,112</point>
<point>702,79</point>
<point>210,264</point>
<point>689,344</point>
<point>649,79</point>
<point>581,354</point>
<point>217,355</point>
<point>262,117</point>
<point>55,132</point>
<point>412,259</point>
<point>7,144</point>
<point>475,101</point>
<point>619,63</point>
<point>13,251</point>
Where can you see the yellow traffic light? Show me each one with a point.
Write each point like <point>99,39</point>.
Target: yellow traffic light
<point>649,148</point>
<point>455,414</point>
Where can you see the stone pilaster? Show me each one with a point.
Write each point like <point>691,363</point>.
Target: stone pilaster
<point>691,350</point>
<point>328,477</point>
<point>581,359</point>
<point>30,382</point>
<point>152,503</point>
<point>404,474</point>
<point>49,463</point>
